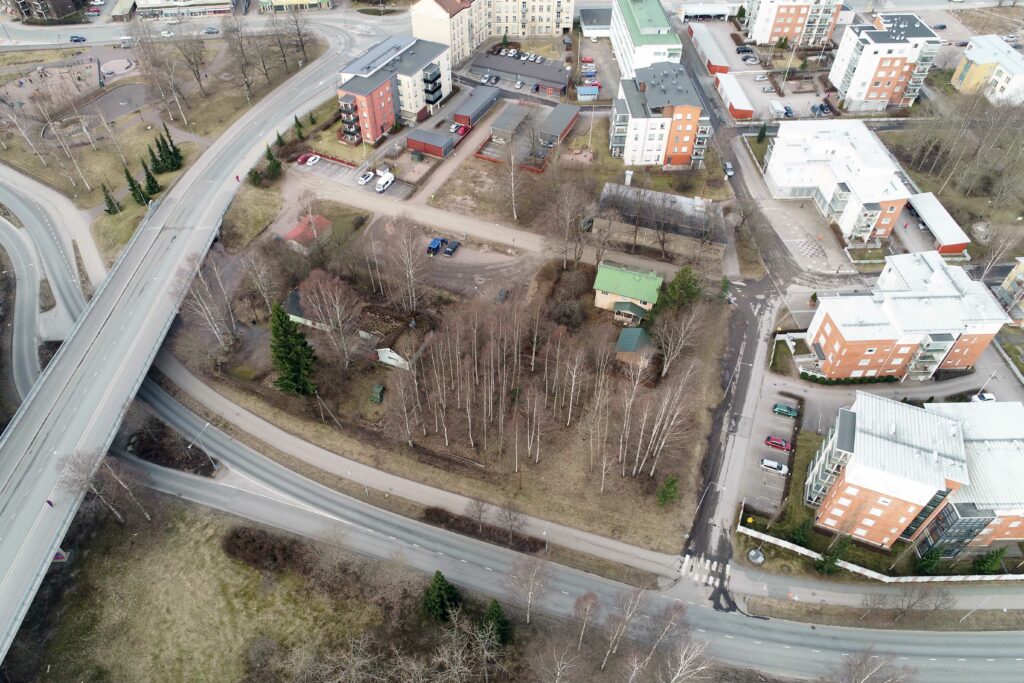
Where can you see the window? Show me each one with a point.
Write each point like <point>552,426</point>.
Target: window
<point>884,501</point>
<point>903,520</point>
<point>861,532</point>
<point>904,349</point>
<point>837,512</point>
<point>893,530</point>
<point>911,508</point>
<point>875,512</point>
<point>986,532</point>
<point>1013,525</point>
<point>688,126</point>
<point>896,361</point>
<point>852,490</point>
<point>828,328</point>
<point>677,116</point>
<point>844,501</point>
<point>863,361</point>
<point>885,540</point>
<point>830,522</point>
<point>867,522</point>
<point>891,209</point>
<point>835,346</point>
<point>870,351</point>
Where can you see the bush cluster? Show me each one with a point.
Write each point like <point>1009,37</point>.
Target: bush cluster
<point>264,550</point>
<point>885,379</point>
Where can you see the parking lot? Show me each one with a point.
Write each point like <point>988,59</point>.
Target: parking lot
<point>604,60</point>
<point>761,488</point>
<point>340,173</point>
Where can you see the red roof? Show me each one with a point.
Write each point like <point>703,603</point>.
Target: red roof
<point>308,229</point>
<point>453,7</point>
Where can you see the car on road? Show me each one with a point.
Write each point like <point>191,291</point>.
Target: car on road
<point>962,43</point>
<point>778,444</point>
<point>211,31</point>
<point>774,467</point>
<point>785,410</point>
<point>462,130</point>
<point>166,34</point>
<point>485,78</point>
<point>452,128</point>
<point>939,27</point>
<point>436,245</point>
<point>760,79</point>
<point>519,85</point>
<point>587,60</point>
<point>366,177</point>
<point>789,111</point>
<point>303,158</point>
<point>452,248</point>
<point>729,172</point>
<point>983,397</point>
<point>77,39</point>
<point>313,160</point>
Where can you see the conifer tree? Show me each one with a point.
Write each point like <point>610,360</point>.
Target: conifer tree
<point>440,598</point>
<point>112,205</point>
<point>156,164</point>
<point>292,355</point>
<point>280,140</point>
<point>174,149</point>
<point>152,186</point>
<point>495,618</point>
<point>138,194</point>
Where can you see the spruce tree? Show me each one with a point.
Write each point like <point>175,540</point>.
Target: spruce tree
<point>495,618</point>
<point>268,154</point>
<point>312,119</point>
<point>280,140</point>
<point>138,194</point>
<point>175,150</point>
<point>274,169</point>
<point>164,152</point>
<point>152,186</point>
<point>292,355</point>
<point>763,133</point>
<point>440,598</point>
<point>156,163</point>
<point>112,205</point>
<point>299,133</point>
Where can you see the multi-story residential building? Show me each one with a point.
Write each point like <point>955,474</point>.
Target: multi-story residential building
<point>398,79</point>
<point>659,119</point>
<point>288,5</point>
<point>630,292</point>
<point>947,476</point>
<point>1011,292</point>
<point>173,8</point>
<point>843,166</point>
<point>464,25</point>
<point>800,22</point>
<point>883,64</point>
<point>41,9</point>
<point>641,36</point>
<point>993,68</point>
<point>921,316</point>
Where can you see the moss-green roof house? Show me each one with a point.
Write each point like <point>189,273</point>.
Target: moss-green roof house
<point>629,292</point>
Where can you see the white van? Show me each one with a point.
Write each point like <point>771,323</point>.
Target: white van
<point>386,181</point>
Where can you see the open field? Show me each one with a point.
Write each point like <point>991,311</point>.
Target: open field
<point>171,606</point>
<point>112,232</point>
<point>999,20</point>
<point>21,57</point>
<point>250,212</point>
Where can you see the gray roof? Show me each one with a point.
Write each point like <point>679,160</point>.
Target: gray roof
<point>846,430</point>
<point>558,120</point>
<point>403,55</point>
<point>596,17</point>
<point>482,99</point>
<point>551,72</point>
<point>510,118</point>
<point>664,84</point>
<point>431,138</point>
<point>899,28</point>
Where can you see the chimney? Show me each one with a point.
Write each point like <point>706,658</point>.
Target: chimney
<point>642,86</point>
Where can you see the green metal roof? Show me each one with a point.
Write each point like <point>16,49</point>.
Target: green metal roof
<point>630,307</point>
<point>632,339</point>
<point>647,23</point>
<point>633,284</point>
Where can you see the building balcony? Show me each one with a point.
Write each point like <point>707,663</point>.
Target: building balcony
<point>703,131</point>
<point>347,108</point>
<point>431,88</point>
<point>349,116</point>
<point>350,129</point>
<point>432,74</point>
<point>434,97</point>
<point>351,139</point>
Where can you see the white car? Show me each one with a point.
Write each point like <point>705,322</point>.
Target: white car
<point>452,128</point>
<point>519,85</point>
<point>98,3</point>
<point>166,34</point>
<point>760,79</point>
<point>593,39</point>
<point>366,177</point>
<point>512,52</point>
<point>728,169</point>
<point>983,397</point>
<point>1011,38</point>
<point>774,467</point>
<point>752,61</point>
<point>485,78</point>
<point>313,160</point>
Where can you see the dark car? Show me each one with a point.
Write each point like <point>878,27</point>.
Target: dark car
<point>535,88</point>
<point>453,247</point>
<point>785,410</point>
<point>789,111</point>
<point>744,50</point>
<point>961,43</point>
<point>77,39</point>
<point>502,296</point>
<point>939,27</point>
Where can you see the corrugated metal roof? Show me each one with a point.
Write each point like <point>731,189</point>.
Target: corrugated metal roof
<point>629,307</point>
<point>940,224</point>
<point>482,99</point>
<point>625,281</point>
<point>558,120</point>
<point>632,339</point>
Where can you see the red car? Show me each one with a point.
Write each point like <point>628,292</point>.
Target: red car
<point>778,444</point>
<point>587,60</point>
<point>462,130</point>
<point>303,158</point>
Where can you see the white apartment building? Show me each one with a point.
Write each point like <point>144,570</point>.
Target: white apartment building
<point>883,64</point>
<point>844,168</point>
<point>658,119</point>
<point>641,36</point>
<point>993,68</point>
<point>800,22</point>
<point>464,25</point>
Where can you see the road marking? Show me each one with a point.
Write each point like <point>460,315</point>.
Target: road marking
<point>565,592</point>
<point>786,647</point>
<point>392,538</point>
<point>688,602</point>
<point>488,569</point>
<point>415,545</point>
<point>463,561</point>
<point>757,642</point>
<point>816,651</point>
<point>701,630</point>
<point>440,553</point>
<point>960,659</point>
<point>728,636</point>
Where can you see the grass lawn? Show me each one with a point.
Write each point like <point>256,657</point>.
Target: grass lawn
<point>795,514</point>
<point>782,360</point>
<point>867,254</point>
<point>758,149</point>
<point>549,47</point>
<point>251,211</point>
<point>20,57</point>
<point>939,79</point>
<point>1011,340</point>
<point>751,263</point>
<point>345,220</point>
<point>327,141</point>
<point>991,19</point>
<point>169,605</point>
<point>113,232</point>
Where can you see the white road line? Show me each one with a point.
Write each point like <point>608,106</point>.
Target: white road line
<point>757,642</point>
<point>415,545</point>
<point>565,592</point>
<point>701,630</point>
<point>392,538</point>
<point>728,636</point>
<point>786,647</point>
<point>463,561</point>
<point>816,651</point>
<point>488,569</point>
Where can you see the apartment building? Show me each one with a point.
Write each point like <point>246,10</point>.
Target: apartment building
<point>1010,292</point>
<point>400,78</point>
<point>641,36</point>
<point>883,64</point>
<point>948,476</point>
<point>921,316</point>
<point>800,22</point>
<point>658,119</point>
<point>853,179</point>
<point>992,67</point>
<point>175,8</point>
<point>40,9</point>
<point>464,25</point>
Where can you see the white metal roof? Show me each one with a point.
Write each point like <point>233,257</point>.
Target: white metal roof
<point>732,92</point>
<point>993,49</point>
<point>707,44</point>
<point>993,435</point>
<point>939,222</point>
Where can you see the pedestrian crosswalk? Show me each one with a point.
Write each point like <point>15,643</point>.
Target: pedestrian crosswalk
<point>705,571</point>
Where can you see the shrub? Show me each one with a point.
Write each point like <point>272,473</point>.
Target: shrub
<point>827,564</point>
<point>262,549</point>
<point>668,492</point>
<point>804,375</point>
<point>990,563</point>
<point>802,534</point>
<point>928,563</point>
<point>568,313</point>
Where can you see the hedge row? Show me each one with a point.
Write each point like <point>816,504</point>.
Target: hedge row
<point>848,380</point>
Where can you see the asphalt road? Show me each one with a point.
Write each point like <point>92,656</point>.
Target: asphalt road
<point>25,344</point>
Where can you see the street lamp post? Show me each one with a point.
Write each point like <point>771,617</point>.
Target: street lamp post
<point>975,609</point>
<point>199,438</point>
<point>982,390</point>
<point>710,484</point>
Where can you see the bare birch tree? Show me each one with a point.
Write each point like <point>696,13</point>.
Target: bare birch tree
<point>408,265</point>
<point>511,520</point>
<point>867,667</point>
<point>1000,246</point>
<point>478,511</point>
<point>191,48</point>
<point>335,306</point>
<point>259,278</point>
<point>628,607</point>
<point>527,582</point>
<point>242,53</point>
<point>675,331</point>
<point>688,662</point>
<point>585,608</point>
<point>206,299</point>
<point>299,31</point>
<point>512,180</point>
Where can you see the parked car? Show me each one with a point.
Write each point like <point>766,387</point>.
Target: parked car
<point>789,111</point>
<point>593,82</point>
<point>494,80</point>
<point>98,3</point>
<point>462,130</point>
<point>524,56</point>
<point>774,467</point>
<point>485,78</point>
<point>366,177</point>
<point>504,51</point>
<point>166,34</point>
<point>377,393</point>
<point>533,58</point>
<point>778,444</point>
<point>519,85</point>
<point>939,27</point>
<point>452,248</point>
<point>751,61</point>
<point>962,43</point>
<point>436,245</point>
<point>744,50</point>
<point>313,160</point>
<point>729,172</point>
<point>92,12</point>
<point>767,88</point>
<point>1011,38</point>
<point>502,296</point>
<point>211,31</point>
<point>983,397</point>
<point>386,181</point>
<point>593,39</point>
<point>452,128</point>
<point>77,39</point>
<point>761,78</point>
<point>587,60</point>
<point>535,88</point>
<point>785,410</point>
<point>303,158</point>
<point>512,52</point>
<point>174,21</point>
<point>826,107</point>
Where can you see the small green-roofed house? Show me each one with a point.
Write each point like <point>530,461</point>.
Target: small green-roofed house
<point>633,343</point>
<point>619,284</point>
